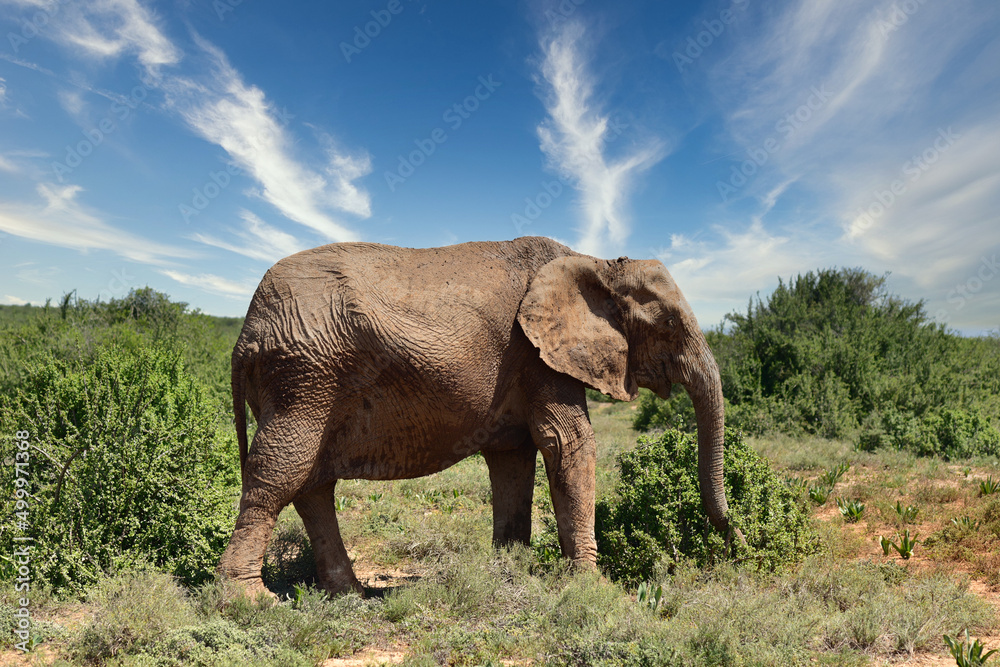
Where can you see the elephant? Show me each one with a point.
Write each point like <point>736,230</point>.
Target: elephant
<point>369,361</point>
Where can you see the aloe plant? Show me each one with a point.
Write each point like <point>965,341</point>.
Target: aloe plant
<point>343,503</point>
<point>906,514</point>
<point>798,485</point>
<point>819,494</point>
<point>833,475</point>
<point>968,654</point>
<point>966,523</point>
<point>886,543</point>
<point>989,486</point>
<point>906,544</point>
<point>851,510</point>
<point>649,596</point>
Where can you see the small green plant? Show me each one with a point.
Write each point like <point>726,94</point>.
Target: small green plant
<point>648,596</point>
<point>798,485</point>
<point>375,497</point>
<point>966,523</point>
<point>968,654</point>
<point>989,486</point>
<point>886,544</point>
<point>456,493</point>
<point>851,510</point>
<point>906,514</point>
<point>906,544</point>
<point>343,503</point>
<point>819,494</point>
<point>833,475</point>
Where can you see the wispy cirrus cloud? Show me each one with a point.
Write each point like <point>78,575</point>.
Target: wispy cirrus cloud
<point>574,139</point>
<point>226,111</point>
<point>894,78</point>
<point>218,105</point>
<point>259,240</point>
<point>103,29</point>
<point>213,283</point>
<point>62,221</point>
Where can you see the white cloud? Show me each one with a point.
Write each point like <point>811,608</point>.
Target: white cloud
<point>64,222</point>
<point>104,29</point>
<point>213,283</point>
<point>716,274</point>
<point>226,111</point>
<point>260,240</point>
<point>889,81</point>
<point>574,139</point>
<point>9,300</point>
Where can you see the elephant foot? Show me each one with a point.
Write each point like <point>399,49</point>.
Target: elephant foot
<point>251,588</point>
<point>341,585</point>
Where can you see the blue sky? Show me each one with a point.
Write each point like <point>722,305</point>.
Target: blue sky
<point>189,145</point>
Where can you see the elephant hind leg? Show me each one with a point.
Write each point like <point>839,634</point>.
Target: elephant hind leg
<point>333,565</point>
<point>271,479</point>
<point>512,478</point>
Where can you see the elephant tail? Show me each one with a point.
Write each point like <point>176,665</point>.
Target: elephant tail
<point>239,408</point>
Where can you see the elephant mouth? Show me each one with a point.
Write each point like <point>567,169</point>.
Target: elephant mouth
<point>665,386</point>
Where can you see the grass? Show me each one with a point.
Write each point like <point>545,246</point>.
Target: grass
<point>440,594</point>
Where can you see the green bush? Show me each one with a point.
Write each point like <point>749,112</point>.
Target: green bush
<point>78,330</point>
<point>130,463</point>
<point>657,514</point>
<point>948,433</point>
<point>677,412</point>
<point>828,349</point>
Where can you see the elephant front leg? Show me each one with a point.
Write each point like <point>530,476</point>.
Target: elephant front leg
<point>566,440</point>
<point>512,478</point>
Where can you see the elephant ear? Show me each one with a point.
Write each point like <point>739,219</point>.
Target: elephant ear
<point>569,315</point>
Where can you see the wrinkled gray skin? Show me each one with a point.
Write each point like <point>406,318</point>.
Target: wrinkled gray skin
<point>364,361</point>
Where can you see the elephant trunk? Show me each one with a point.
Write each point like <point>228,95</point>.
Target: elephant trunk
<point>705,389</point>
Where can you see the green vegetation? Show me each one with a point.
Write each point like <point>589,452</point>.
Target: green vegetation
<point>833,353</point>
<point>968,653</point>
<point>657,513</point>
<point>129,465</point>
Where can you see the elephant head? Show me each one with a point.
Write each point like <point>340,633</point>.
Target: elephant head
<point>623,324</point>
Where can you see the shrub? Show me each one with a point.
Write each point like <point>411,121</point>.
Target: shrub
<point>829,348</point>
<point>945,432</point>
<point>658,513</point>
<point>128,465</point>
<point>132,610</point>
<point>677,412</point>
